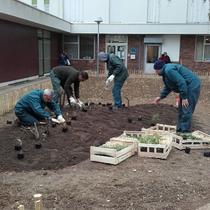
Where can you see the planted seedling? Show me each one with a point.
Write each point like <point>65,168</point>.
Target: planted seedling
<point>68,122</point>
<point>139,118</point>
<point>130,120</point>
<point>20,155</point>
<point>187,150</point>
<point>206,154</point>
<point>84,109</point>
<point>18,145</point>
<point>155,119</point>
<point>9,122</point>
<point>74,116</point>
<point>110,107</point>
<point>65,128</point>
<point>38,145</point>
<point>53,124</point>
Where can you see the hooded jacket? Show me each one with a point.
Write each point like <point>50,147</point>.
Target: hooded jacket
<point>33,103</point>
<point>179,79</point>
<point>116,67</point>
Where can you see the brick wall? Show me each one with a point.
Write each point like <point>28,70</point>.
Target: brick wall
<point>187,53</point>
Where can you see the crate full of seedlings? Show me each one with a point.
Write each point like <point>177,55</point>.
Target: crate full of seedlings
<point>151,143</point>
<point>112,152</point>
<point>162,127</point>
<point>155,145</point>
<point>127,139</point>
<point>194,140</point>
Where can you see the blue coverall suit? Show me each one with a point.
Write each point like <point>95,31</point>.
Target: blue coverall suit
<point>116,67</point>
<point>181,80</point>
<point>30,108</point>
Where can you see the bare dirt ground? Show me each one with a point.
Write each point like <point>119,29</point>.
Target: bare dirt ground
<point>62,172</point>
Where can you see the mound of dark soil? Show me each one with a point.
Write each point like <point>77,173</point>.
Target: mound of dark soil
<point>93,127</point>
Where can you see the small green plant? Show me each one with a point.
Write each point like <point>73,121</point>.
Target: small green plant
<point>188,136</point>
<point>150,139</point>
<point>155,119</point>
<point>116,146</point>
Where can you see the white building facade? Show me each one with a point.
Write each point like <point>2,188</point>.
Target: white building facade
<point>137,31</point>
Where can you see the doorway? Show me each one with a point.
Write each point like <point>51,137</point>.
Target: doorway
<point>152,53</point>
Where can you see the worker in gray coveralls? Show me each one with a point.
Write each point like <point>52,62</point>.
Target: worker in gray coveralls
<point>65,76</point>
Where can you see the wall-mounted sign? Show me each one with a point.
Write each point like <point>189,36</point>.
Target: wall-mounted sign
<point>133,53</point>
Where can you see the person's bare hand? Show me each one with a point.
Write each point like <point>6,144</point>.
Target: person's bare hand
<point>185,103</point>
<point>157,100</point>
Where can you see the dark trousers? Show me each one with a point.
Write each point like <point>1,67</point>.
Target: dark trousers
<point>27,118</point>
<point>185,114</point>
<point>116,92</point>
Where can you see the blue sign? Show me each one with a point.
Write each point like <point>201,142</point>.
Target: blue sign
<point>133,50</point>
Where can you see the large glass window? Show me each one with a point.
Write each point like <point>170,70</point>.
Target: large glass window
<point>79,46</point>
<point>46,5</point>
<point>34,3</point>
<point>44,46</point>
<point>203,48</point>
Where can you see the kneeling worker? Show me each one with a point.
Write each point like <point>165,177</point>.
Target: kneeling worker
<point>30,108</point>
<point>65,76</point>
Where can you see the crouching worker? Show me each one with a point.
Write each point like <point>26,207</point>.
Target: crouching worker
<point>65,76</point>
<point>30,108</point>
<point>181,80</point>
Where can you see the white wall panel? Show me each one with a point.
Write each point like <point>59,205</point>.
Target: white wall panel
<point>153,11</point>
<point>26,1</point>
<point>96,8</point>
<point>197,11</point>
<point>40,4</point>
<point>125,11</point>
<point>56,8</point>
<point>171,45</point>
<point>173,11</point>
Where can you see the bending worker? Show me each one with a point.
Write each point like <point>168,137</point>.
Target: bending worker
<point>65,76</point>
<point>30,108</point>
<point>181,80</point>
<point>117,73</point>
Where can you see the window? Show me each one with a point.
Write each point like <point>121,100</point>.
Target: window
<point>203,48</point>
<point>46,5</point>
<point>79,46</point>
<point>34,3</point>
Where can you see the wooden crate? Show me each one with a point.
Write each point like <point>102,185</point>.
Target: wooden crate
<point>202,143</point>
<point>127,139</point>
<point>112,156</point>
<point>160,151</point>
<point>177,142</point>
<point>151,150</point>
<point>162,127</point>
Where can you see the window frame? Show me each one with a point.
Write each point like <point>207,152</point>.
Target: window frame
<point>204,44</point>
<point>78,46</point>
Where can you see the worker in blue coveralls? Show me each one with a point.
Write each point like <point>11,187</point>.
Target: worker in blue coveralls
<point>181,80</point>
<point>117,74</point>
<point>30,108</point>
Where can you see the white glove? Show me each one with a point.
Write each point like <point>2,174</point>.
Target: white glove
<point>60,119</point>
<point>80,103</point>
<point>72,100</point>
<point>110,80</point>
